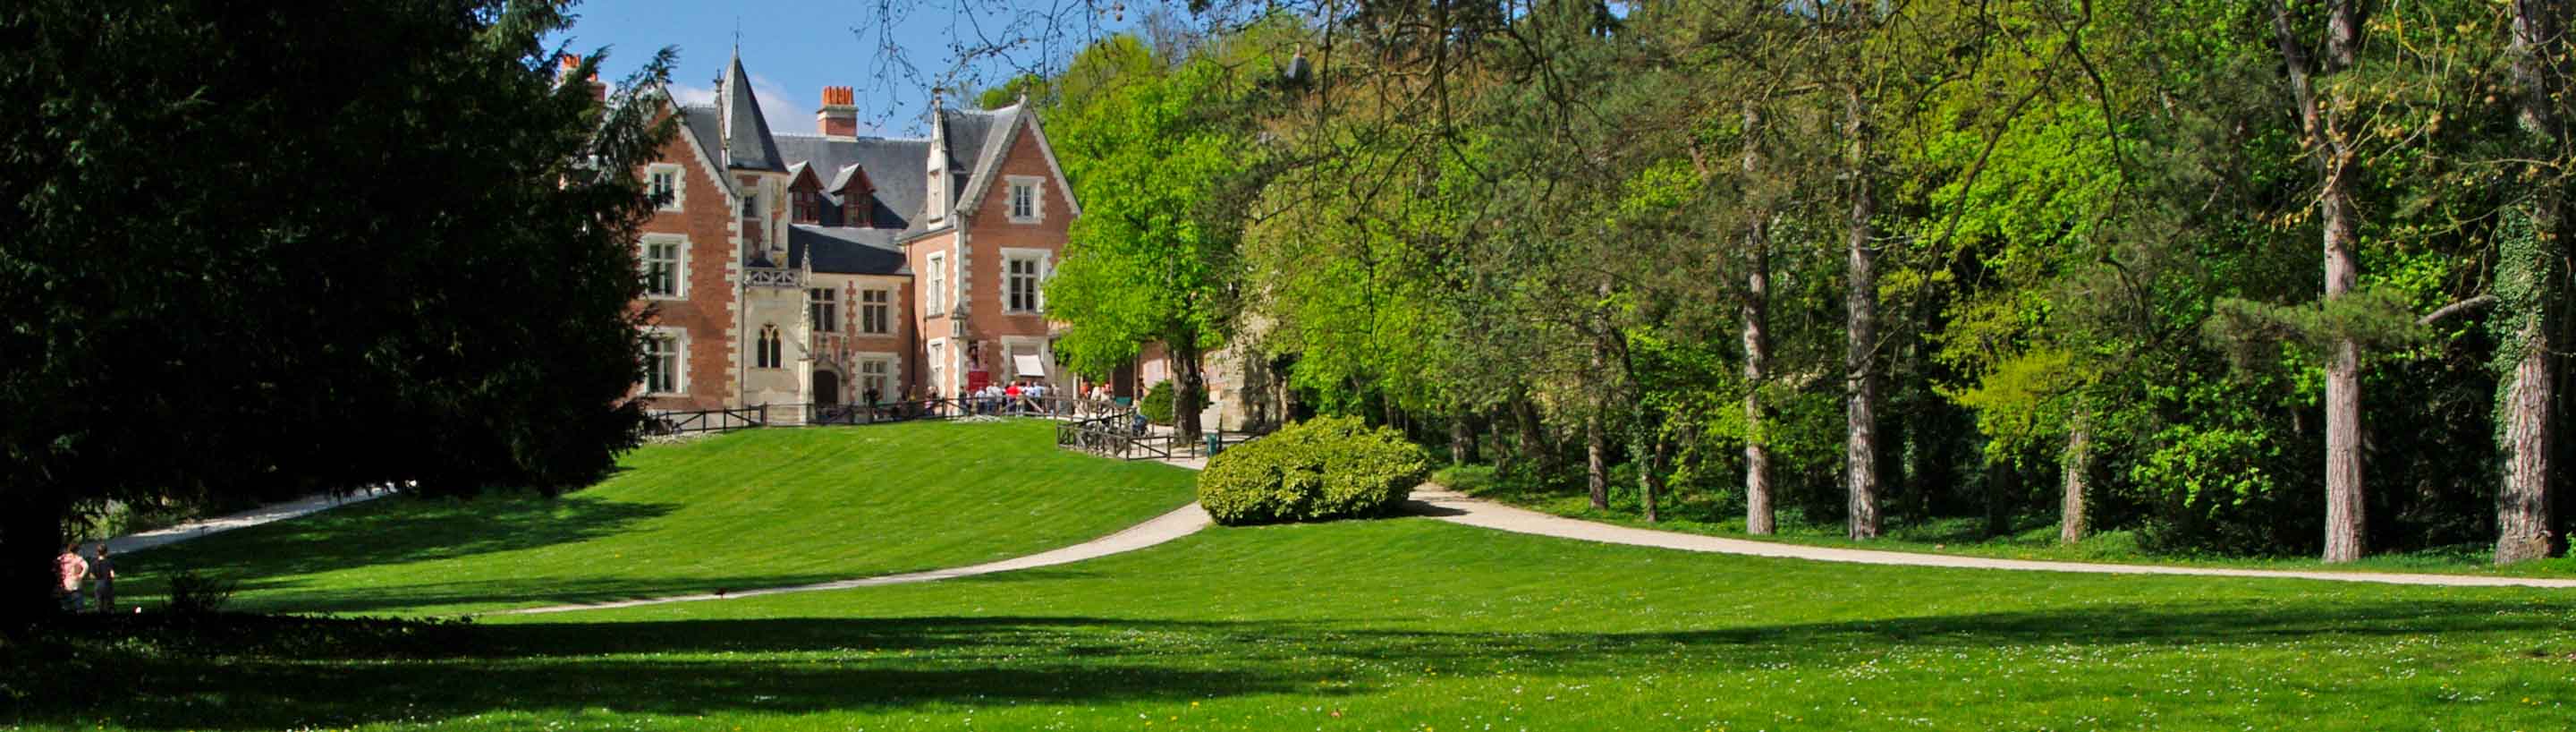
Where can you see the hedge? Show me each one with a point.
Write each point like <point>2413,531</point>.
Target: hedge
<point>1317,470</point>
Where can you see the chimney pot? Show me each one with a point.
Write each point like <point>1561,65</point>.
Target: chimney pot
<point>840,114</point>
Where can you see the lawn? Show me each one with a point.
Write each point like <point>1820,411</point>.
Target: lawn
<point>749,509</point>
<point>2031,539</point>
<point>1415,624</point>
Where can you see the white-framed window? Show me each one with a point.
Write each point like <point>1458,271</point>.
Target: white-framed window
<point>663,180</point>
<point>823,307</point>
<point>665,361</point>
<point>664,259</point>
<point>1027,207</point>
<point>876,373</point>
<point>935,301</point>
<point>766,351</point>
<point>876,311</point>
<point>1024,279</point>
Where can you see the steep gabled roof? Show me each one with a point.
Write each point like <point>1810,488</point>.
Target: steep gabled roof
<point>1002,128</point>
<point>894,166</point>
<point>747,142</point>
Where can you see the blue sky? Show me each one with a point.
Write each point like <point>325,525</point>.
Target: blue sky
<point>794,48</point>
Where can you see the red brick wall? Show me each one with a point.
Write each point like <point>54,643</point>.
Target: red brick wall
<point>706,315</point>
<point>926,324</point>
<point>990,230</point>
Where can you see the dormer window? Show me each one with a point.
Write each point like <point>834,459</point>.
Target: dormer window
<point>809,206</point>
<point>855,211</point>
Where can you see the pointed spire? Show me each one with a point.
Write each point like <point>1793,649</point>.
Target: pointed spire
<point>746,131</point>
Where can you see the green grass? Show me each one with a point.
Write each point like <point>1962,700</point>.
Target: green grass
<point>2031,539</point>
<point>1399,624</point>
<point>749,509</point>
<point>1419,625</point>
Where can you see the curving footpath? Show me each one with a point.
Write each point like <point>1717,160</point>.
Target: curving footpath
<point>1181,522</point>
<point>1440,503</point>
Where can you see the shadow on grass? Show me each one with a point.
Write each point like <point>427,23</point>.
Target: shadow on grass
<point>391,530</point>
<point>430,673</point>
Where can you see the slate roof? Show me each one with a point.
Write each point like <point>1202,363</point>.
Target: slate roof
<point>748,146</point>
<point>702,122</point>
<point>846,250</point>
<point>895,166</point>
<point>977,140</point>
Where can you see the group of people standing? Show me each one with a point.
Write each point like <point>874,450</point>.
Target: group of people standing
<point>80,581</point>
<point>1018,397</point>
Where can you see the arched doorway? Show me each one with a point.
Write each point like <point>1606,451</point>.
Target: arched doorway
<point>827,387</point>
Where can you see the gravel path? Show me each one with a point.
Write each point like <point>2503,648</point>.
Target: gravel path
<point>1459,508</point>
<point>265,514</point>
<point>1181,522</point>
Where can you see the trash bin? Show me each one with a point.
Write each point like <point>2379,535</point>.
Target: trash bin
<point>1215,444</point>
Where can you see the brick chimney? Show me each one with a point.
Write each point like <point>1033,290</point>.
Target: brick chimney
<point>568,63</point>
<point>840,114</point>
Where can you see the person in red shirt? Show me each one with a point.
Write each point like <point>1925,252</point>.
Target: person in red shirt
<point>1011,396</point>
<point>69,570</point>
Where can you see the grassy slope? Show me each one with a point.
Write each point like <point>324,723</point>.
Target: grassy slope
<point>1966,536</point>
<point>1419,625</point>
<point>749,509</point>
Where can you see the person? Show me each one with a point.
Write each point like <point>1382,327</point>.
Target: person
<point>102,575</point>
<point>69,568</point>
<point>1012,396</point>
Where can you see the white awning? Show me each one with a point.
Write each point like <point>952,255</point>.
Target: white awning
<point>1031,366</point>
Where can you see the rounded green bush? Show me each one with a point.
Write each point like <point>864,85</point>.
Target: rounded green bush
<point>1321,469</point>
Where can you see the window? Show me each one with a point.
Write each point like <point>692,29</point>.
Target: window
<point>663,181</point>
<point>661,264</point>
<point>935,301</point>
<point>876,311</point>
<point>750,207</point>
<point>823,307</point>
<point>857,209</point>
<point>662,363</point>
<point>876,376</point>
<point>1024,200</point>
<point>938,364</point>
<point>766,351</point>
<point>1024,284</point>
<point>809,206</point>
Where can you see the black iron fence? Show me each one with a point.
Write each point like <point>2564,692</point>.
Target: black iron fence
<point>681,422</point>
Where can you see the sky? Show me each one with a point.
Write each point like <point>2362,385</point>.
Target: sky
<point>794,48</point>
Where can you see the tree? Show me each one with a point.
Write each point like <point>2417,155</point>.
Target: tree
<point>1162,163</point>
<point>2329,140</point>
<point>2532,281</point>
<point>252,254</point>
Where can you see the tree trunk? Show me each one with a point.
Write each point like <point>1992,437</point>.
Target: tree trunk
<point>2337,165</point>
<point>1188,384</point>
<point>1860,298</point>
<point>2001,492</point>
<point>31,533</point>
<point>2077,467</point>
<point>1758,519</point>
<point>2532,286</point>
<point>1533,434</point>
<point>1461,445</point>
<point>1650,476</point>
<point>1596,456</point>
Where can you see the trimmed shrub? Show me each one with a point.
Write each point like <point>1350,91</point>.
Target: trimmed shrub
<point>1317,470</point>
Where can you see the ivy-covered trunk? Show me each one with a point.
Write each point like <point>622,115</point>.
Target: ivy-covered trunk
<point>2531,285</point>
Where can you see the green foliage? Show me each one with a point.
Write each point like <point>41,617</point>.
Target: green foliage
<point>1157,403</point>
<point>1318,470</point>
<point>324,289</point>
<point>196,593</point>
